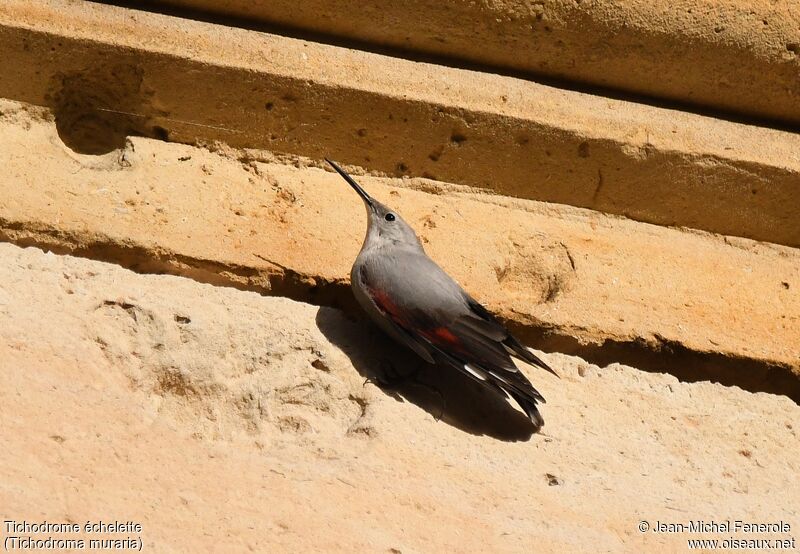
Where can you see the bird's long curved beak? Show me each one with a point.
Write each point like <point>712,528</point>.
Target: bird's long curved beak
<point>361,192</point>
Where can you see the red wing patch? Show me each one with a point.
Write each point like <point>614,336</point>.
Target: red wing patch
<point>443,334</point>
<point>383,301</point>
<point>444,339</point>
<point>438,335</point>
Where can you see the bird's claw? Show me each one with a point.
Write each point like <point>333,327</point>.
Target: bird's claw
<point>441,398</point>
<point>391,378</point>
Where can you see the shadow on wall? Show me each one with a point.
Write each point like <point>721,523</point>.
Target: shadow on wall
<point>459,402</point>
<point>96,109</point>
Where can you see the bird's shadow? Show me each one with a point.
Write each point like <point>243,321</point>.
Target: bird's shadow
<point>443,392</point>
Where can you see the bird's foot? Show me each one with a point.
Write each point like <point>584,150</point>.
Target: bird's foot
<point>443,401</point>
<point>390,378</point>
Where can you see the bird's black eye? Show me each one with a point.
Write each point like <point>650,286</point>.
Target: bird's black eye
<point>389,217</point>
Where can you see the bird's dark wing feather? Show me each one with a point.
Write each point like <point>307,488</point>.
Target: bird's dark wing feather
<point>480,351</point>
<point>522,393</point>
<point>509,384</point>
<point>488,324</point>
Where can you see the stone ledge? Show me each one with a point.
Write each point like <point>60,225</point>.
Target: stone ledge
<point>724,55</point>
<point>567,279</point>
<point>108,72</point>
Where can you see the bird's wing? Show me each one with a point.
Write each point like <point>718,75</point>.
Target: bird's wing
<point>401,325</point>
<point>483,322</point>
<point>479,351</point>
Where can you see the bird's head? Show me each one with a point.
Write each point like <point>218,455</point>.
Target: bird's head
<point>384,225</point>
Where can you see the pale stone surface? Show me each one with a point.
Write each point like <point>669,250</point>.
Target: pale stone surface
<point>109,71</point>
<point>226,217</point>
<point>221,420</point>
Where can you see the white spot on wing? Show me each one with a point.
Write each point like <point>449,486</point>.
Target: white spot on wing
<point>478,373</point>
<point>498,376</point>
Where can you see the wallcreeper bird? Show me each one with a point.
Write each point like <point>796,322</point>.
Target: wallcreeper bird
<point>420,306</point>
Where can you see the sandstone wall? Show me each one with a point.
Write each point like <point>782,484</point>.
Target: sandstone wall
<point>245,219</point>
<point>179,345</point>
<point>108,72</point>
<point>224,421</point>
<point>741,57</point>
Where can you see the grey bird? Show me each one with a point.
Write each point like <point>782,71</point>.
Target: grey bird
<point>419,305</point>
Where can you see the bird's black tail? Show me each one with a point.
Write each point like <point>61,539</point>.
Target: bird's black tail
<point>528,405</point>
<point>514,386</point>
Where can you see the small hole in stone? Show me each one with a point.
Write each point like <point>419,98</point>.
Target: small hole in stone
<point>269,105</point>
<point>457,138</point>
<point>90,133</point>
<point>583,149</point>
<point>92,113</point>
<point>182,319</point>
<point>794,48</point>
<point>160,133</point>
<point>401,167</point>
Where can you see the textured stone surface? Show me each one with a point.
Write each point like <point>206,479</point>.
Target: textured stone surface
<point>729,55</point>
<point>108,72</point>
<point>222,421</point>
<point>226,218</point>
